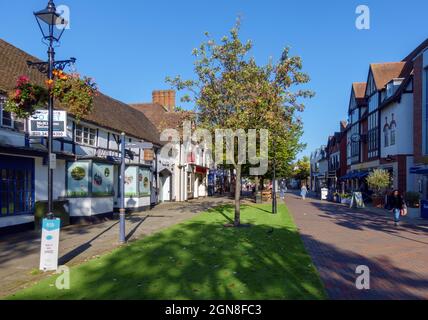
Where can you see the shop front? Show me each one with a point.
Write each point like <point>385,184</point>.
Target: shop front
<point>90,190</point>
<point>138,185</point>
<point>17,190</point>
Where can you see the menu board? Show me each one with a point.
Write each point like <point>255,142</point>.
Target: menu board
<point>102,179</point>
<point>78,179</point>
<point>144,181</point>
<point>131,182</point>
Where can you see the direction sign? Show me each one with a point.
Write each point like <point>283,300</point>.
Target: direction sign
<point>139,145</point>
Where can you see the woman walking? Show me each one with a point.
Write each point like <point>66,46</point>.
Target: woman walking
<point>397,206</point>
<point>304,192</point>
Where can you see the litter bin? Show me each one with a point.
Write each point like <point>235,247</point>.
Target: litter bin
<point>324,194</point>
<point>424,209</point>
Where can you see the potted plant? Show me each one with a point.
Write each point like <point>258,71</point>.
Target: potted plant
<point>345,198</point>
<point>413,199</point>
<point>378,181</point>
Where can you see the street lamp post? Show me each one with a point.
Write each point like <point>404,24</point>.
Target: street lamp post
<point>274,201</point>
<point>122,210</point>
<point>52,26</point>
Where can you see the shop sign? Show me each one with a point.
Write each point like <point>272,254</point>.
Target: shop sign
<point>50,244</point>
<point>38,124</point>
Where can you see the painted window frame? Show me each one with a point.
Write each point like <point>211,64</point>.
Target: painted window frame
<point>80,139</point>
<point>2,117</point>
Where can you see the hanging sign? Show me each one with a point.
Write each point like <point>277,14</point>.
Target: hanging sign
<point>38,124</point>
<point>50,244</point>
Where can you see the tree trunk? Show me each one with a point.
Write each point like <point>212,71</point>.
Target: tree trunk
<point>237,222</point>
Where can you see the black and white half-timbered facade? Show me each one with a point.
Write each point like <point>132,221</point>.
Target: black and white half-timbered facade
<point>87,171</point>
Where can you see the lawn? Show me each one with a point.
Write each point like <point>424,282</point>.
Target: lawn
<point>200,259</point>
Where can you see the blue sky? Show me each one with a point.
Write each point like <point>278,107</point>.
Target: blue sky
<point>130,46</point>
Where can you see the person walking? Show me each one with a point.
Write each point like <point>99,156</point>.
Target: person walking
<point>282,188</point>
<point>304,192</point>
<point>397,206</point>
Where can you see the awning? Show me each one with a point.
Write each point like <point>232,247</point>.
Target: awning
<point>419,171</point>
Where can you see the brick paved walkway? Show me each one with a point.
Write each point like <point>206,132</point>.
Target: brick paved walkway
<point>19,254</point>
<point>340,239</point>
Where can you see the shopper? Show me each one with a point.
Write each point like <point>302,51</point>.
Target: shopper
<point>397,206</point>
<point>304,192</point>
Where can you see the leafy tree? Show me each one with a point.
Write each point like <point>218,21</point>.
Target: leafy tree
<point>302,169</point>
<point>231,91</point>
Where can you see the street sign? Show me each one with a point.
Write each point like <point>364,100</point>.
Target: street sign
<point>38,124</point>
<point>139,145</point>
<point>50,244</point>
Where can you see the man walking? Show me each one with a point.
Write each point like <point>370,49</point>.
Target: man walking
<point>282,188</point>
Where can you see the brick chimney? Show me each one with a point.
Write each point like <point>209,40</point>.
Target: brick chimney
<point>165,98</point>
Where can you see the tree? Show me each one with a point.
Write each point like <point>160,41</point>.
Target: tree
<point>231,91</point>
<point>302,169</point>
<point>379,180</point>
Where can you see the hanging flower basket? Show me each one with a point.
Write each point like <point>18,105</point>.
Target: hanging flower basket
<point>73,92</point>
<point>26,98</point>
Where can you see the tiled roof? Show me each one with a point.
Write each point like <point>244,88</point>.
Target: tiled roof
<point>160,117</point>
<point>108,112</point>
<point>385,72</point>
<point>359,89</point>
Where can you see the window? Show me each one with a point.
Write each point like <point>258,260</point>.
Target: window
<point>373,135</point>
<point>386,135</point>
<point>392,133</point>
<point>85,135</point>
<point>6,119</point>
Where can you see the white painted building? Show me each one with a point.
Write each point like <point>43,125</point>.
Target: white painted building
<point>87,171</point>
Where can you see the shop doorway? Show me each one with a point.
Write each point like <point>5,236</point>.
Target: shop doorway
<point>165,186</point>
<point>16,186</point>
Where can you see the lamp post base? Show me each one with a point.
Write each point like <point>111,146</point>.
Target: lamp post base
<point>122,214</point>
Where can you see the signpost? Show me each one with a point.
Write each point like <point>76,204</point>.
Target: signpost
<point>38,124</point>
<point>50,244</point>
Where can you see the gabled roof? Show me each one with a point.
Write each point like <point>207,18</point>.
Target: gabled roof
<point>385,72</point>
<point>359,89</point>
<point>108,112</point>
<point>407,73</point>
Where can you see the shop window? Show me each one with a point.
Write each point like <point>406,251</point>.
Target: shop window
<point>85,135</point>
<point>89,179</point>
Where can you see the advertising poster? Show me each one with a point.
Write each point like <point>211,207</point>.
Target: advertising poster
<point>102,179</point>
<point>131,182</point>
<point>78,179</point>
<point>144,181</point>
<point>50,244</point>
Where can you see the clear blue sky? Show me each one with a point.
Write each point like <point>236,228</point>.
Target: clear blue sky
<point>130,46</point>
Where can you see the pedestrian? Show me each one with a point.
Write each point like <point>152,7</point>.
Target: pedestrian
<point>282,188</point>
<point>397,206</point>
<point>304,192</point>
